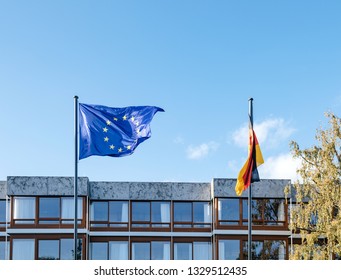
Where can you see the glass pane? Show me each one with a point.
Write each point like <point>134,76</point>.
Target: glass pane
<point>4,250</point>
<point>274,250</point>
<point>183,251</point>
<point>24,208</point>
<point>160,250</point>
<point>140,251</point>
<point>257,210</point>
<point>2,211</point>
<point>23,249</point>
<point>49,207</point>
<point>99,211</point>
<point>66,249</point>
<point>141,211</point>
<point>256,250</point>
<point>182,212</point>
<point>118,211</point>
<point>202,251</point>
<point>48,249</point>
<point>68,208</point>
<point>274,211</point>
<point>99,250</point>
<point>160,212</point>
<point>228,209</point>
<point>202,212</point>
<point>118,250</point>
<point>229,249</point>
<point>245,209</point>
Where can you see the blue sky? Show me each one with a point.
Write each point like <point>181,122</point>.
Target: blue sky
<point>198,60</point>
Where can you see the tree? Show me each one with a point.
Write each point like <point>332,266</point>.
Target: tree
<point>316,215</point>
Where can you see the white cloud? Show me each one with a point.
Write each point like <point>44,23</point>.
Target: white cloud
<point>201,151</point>
<point>283,166</point>
<point>270,132</point>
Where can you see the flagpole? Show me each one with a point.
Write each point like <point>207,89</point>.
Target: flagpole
<point>76,178</point>
<point>249,237</point>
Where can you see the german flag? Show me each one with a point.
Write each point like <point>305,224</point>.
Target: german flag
<point>249,173</point>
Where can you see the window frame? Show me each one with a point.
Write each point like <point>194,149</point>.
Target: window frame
<point>51,222</point>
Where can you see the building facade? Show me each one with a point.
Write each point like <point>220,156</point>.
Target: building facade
<point>141,220</point>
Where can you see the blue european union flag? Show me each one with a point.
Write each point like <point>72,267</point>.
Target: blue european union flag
<point>115,132</point>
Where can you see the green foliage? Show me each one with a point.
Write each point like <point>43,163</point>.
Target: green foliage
<point>317,216</point>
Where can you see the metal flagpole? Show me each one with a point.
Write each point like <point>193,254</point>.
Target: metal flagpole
<point>249,237</point>
<point>76,178</point>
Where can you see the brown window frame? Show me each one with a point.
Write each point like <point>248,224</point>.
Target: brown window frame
<point>191,225</point>
<point>35,222</point>
<point>150,225</point>
<point>256,223</point>
<point>107,225</point>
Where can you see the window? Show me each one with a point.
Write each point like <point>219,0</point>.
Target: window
<point>109,214</point>
<point>192,215</point>
<point>112,250</point>
<point>23,249</point>
<point>4,208</point>
<point>183,251</point>
<point>99,250</point>
<point>192,250</point>
<point>160,250</point>
<point>269,212</point>
<point>228,211</point>
<point>58,249</point>
<point>4,250</point>
<point>48,249</point>
<point>68,210</point>
<point>266,250</point>
<point>24,210</point>
<point>153,214</point>
<point>118,250</point>
<point>229,249</point>
<point>140,251</point>
<point>51,210</point>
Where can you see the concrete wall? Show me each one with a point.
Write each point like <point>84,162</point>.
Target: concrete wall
<point>3,189</point>
<point>271,188</point>
<point>48,186</point>
<point>150,191</point>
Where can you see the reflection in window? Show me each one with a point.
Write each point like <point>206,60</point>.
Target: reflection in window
<point>140,211</point>
<point>266,250</point>
<point>24,210</point>
<point>118,250</point>
<point>23,249</point>
<point>109,213</point>
<point>118,213</point>
<point>112,250</point>
<point>269,212</point>
<point>202,251</point>
<point>68,210</point>
<point>141,251</point>
<point>228,211</point>
<point>160,214</point>
<point>183,251</point>
<point>4,208</point>
<point>151,214</point>
<point>99,250</point>
<point>229,249</point>
<point>160,250</point>
<point>49,209</point>
<point>183,212</point>
<point>4,250</point>
<point>192,214</point>
<point>48,249</point>
<point>67,248</point>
